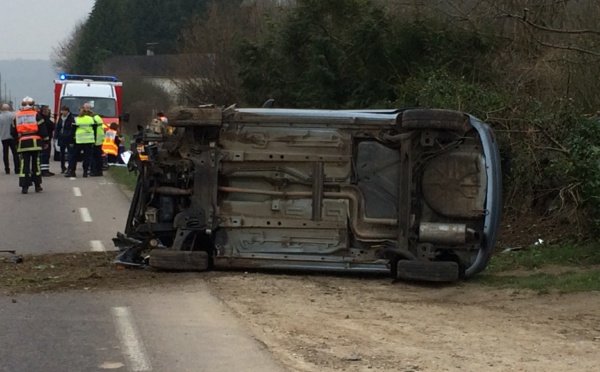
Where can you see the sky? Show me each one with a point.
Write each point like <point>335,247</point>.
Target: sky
<point>31,31</point>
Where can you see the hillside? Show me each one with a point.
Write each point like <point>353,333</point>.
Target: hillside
<point>23,77</point>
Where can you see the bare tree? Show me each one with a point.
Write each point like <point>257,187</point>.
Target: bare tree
<point>63,55</point>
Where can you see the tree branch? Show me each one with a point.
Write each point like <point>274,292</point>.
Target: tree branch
<point>524,20</point>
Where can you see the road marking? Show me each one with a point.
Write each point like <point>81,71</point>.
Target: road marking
<point>133,347</point>
<point>77,191</point>
<point>97,246</point>
<point>85,215</point>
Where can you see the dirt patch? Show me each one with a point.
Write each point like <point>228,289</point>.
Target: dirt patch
<point>87,271</point>
<point>523,230</point>
<point>324,323</point>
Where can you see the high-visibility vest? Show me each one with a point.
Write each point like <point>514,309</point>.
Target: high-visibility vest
<point>84,133</point>
<point>99,135</point>
<point>109,146</point>
<point>99,121</point>
<point>27,126</point>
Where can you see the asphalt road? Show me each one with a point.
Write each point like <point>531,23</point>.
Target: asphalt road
<point>158,329</point>
<point>69,215</point>
<point>164,329</point>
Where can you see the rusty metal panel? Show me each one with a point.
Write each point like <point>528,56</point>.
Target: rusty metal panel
<point>454,185</point>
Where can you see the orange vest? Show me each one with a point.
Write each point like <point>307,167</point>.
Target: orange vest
<point>109,147</point>
<point>27,126</point>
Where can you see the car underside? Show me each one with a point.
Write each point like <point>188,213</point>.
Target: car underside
<point>415,192</point>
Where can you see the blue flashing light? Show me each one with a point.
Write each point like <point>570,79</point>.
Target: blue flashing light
<point>87,77</point>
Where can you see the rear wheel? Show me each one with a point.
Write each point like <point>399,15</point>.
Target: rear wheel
<point>431,271</point>
<point>165,259</point>
<point>435,119</point>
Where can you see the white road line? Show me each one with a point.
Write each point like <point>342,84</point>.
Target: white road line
<point>77,191</point>
<point>97,246</point>
<point>133,347</point>
<point>85,215</point>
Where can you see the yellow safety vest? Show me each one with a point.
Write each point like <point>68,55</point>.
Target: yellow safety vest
<point>84,133</point>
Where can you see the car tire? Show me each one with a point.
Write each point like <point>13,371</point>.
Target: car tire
<point>165,259</point>
<point>435,119</point>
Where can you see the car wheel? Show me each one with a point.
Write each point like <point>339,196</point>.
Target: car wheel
<point>435,119</point>
<point>165,259</point>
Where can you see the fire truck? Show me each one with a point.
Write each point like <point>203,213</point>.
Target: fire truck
<point>103,93</point>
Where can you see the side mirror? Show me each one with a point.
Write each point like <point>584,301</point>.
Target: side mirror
<point>125,117</point>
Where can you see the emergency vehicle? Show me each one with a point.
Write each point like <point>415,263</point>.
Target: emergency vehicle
<point>103,93</point>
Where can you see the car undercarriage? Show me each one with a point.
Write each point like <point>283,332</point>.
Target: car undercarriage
<point>415,192</point>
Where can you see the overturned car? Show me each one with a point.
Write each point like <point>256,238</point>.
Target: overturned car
<point>415,192</point>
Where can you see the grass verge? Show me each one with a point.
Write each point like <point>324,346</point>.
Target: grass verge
<point>563,268</point>
<point>123,177</point>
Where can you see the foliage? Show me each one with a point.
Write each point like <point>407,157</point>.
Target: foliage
<point>64,55</point>
<point>105,33</point>
<point>583,168</point>
<point>334,54</point>
<point>126,27</point>
<point>141,99</point>
<point>440,89</point>
<point>207,70</point>
<point>529,72</point>
<point>161,22</point>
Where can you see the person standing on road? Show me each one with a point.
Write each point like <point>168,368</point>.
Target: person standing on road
<point>29,129</point>
<point>45,156</point>
<point>65,136</point>
<point>96,155</point>
<point>84,142</point>
<point>96,164</point>
<point>8,142</point>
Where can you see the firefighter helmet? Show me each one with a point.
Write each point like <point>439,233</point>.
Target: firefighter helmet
<point>27,103</point>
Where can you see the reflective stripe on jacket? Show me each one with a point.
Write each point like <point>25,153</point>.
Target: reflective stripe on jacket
<point>109,146</point>
<point>84,133</point>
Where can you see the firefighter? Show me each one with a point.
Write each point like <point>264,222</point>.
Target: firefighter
<point>111,143</point>
<point>84,142</point>
<point>32,136</point>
